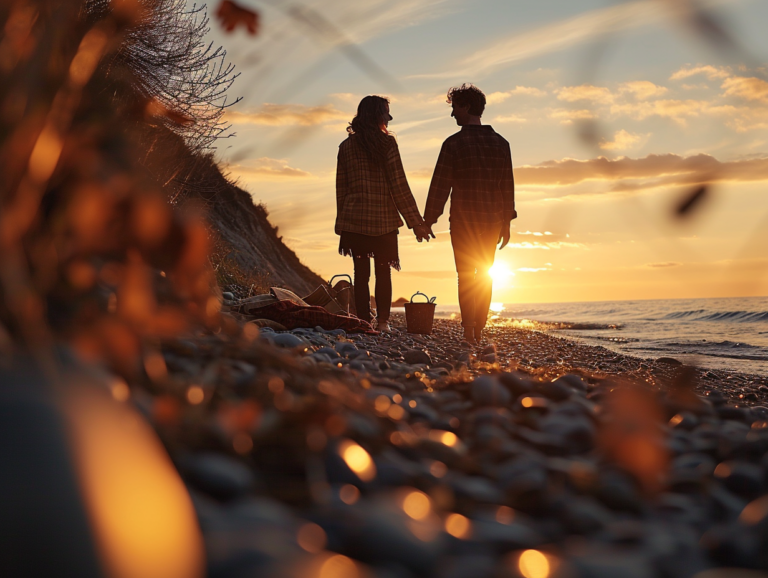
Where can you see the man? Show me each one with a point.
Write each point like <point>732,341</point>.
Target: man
<point>475,169</point>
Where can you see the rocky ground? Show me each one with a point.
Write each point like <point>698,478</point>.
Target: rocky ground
<point>315,453</point>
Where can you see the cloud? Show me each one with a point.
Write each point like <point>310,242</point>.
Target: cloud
<point>287,115</point>
<point>642,89</point>
<point>510,118</point>
<point>567,115</point>
<point>585,92</point>
<point>559,35</point>
<point>665,265</point>
<point>676,110</point>
<point>497,97</point>
<point>750,88</point>
<point>709,71</point>
<point>653,170</point>
<point>269,168</point>
<point>623,140</point>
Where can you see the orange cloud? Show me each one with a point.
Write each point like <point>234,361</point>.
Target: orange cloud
<point>287,115</point>
<point>647,172</point>
<point>623,140</point>
<point>585,92</point>
<point>496,97</point>
<point>709,71</point>
<point>269,168</point>
<point>642,89</point>
<point>750,88</point>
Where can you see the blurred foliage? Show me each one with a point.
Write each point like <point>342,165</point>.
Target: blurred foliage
<point>105,111</point>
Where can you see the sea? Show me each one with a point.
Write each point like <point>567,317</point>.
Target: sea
<point>718,333</point>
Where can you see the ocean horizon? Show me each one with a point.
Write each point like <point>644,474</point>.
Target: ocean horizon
<point>728,333</point>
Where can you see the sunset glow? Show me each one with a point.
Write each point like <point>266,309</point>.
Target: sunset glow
<point>601,160</point>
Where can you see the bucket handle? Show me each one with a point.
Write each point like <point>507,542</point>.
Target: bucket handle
<point>425,296</point>
<point>340,275</point>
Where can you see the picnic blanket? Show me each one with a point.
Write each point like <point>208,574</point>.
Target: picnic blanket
<point>293,315</point>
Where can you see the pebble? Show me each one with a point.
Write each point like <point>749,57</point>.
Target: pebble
<point>376,456</point>
<point>417,357</point>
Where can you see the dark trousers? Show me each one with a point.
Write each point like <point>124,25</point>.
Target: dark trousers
<point>383,288</point>
<point>474,250</point>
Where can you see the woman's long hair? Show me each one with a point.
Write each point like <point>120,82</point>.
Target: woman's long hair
<point>367,127</point>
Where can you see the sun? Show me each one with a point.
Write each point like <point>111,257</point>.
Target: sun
<point>500,273</point>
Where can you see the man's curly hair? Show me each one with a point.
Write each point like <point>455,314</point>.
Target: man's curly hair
<point>468,95</point>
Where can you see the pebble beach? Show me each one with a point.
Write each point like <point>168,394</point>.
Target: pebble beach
<point>320,453</point>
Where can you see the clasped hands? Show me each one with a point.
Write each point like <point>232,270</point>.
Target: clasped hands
<point>423,232</point>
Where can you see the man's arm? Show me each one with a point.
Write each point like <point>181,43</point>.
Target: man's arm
<point>401,192</point>
<point>507,184</point>
<point>440,187</point>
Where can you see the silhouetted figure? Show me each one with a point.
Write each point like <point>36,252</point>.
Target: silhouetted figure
<point>475,169</point>
<point>371,188</point>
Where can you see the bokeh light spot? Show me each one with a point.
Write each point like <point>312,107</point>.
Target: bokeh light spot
<point>458,526</point>
<point>311,538</point>
<point>358,460</point>
<point>533,564</point>
<point>417,505</point>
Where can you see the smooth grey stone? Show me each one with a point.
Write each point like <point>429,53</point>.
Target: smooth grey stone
<point>604,563</point>
<point>474,564</point>
<point>555,390</point>
<point>228,296</point>
<point>574,381</point>
<point>392,469</point>
<point>465,357</point>
<point>345,348</point>
<point>489,358</point>
<point>329,351</point>
<point>742,478</point>
<point>689,421</point>
<point>475,487</point>
<point>487,390</point>
<point>506,537</point>
<point>288,340</point>
<point>489,349</point>
<point>619,491</point>
<point>319,357</point>
<point>679,509</point>
<point>218,475</point>
<point>668,361</point>
<point>700,463</point>
<point>578,433</point>
<point>515,384</point>
<point>727,506</point>
<point>582,515</point>
<point>376,533</point>
<point>357,365</point>
<point>417,357</point>
<point>422,412</point>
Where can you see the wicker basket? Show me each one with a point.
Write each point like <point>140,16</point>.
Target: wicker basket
<point>420,316</point>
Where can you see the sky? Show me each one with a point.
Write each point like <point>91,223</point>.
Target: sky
<point>614,111</point>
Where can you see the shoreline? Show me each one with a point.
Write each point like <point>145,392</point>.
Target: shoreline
<point>536,352</point>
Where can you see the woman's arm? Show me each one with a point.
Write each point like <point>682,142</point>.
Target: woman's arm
<point>399,189</point>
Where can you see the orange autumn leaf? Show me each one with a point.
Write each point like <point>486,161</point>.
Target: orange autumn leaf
<point>232,16</point>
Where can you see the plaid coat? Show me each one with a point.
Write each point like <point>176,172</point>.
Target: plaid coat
<point>368,198</point>
<point>475,169</point>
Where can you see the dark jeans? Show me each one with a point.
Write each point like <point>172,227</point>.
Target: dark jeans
<point>474,250</point>
<point>383,288</point>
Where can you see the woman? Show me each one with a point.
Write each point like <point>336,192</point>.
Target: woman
<point>371,189</point>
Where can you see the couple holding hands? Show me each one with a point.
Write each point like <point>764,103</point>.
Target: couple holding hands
<point>474,168</point>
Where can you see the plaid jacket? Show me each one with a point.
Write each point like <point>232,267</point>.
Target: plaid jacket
<point>475,169</point>
<point>368,198</point>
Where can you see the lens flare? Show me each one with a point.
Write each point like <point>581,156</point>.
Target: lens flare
<point>500,273</point>
<point>458,526</point>
<point>417,505</point>
<point>358,460</point>
<point>533,564</point>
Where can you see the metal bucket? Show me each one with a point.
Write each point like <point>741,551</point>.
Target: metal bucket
<point>419,316</point>
<point>343,294</point>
